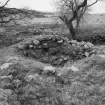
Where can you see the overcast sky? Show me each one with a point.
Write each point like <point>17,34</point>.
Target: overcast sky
<point>41,5</point>
<point>47,5</point>
<point>99,7</point>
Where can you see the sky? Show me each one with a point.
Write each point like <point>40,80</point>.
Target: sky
<point>48,5</point>
<point>41,5</point>
<point>98,8</point>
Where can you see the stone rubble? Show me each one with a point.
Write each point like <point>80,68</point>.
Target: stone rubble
<point>56,50</point>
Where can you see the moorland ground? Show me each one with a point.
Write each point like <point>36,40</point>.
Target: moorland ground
<point>92,25</point>
<point>26,81</point>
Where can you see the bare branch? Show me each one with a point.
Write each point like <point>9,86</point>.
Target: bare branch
<point>5,4</point>
<point>93,3</point>
<point>83,4</point>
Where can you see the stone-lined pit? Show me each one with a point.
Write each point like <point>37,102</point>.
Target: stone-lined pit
<point>55,50</point>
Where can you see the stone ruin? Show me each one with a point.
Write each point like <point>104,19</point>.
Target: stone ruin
<point>55,50</point>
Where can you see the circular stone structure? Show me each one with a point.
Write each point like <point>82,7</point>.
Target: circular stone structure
<point>55,50</point>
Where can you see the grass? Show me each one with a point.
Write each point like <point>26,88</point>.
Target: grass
<point>84,87</point>
<point>14,32</point>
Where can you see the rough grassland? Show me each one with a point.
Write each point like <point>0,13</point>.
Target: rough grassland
<point>24,81</point>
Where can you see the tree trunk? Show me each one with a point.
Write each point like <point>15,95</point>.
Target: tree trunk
<point>69,24</point>
<point>72,30</point>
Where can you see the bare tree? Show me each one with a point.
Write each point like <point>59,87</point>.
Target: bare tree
<point>72,11</point>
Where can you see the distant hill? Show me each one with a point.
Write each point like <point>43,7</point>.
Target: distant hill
<point>34,13</point>
<point>94,19</point>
